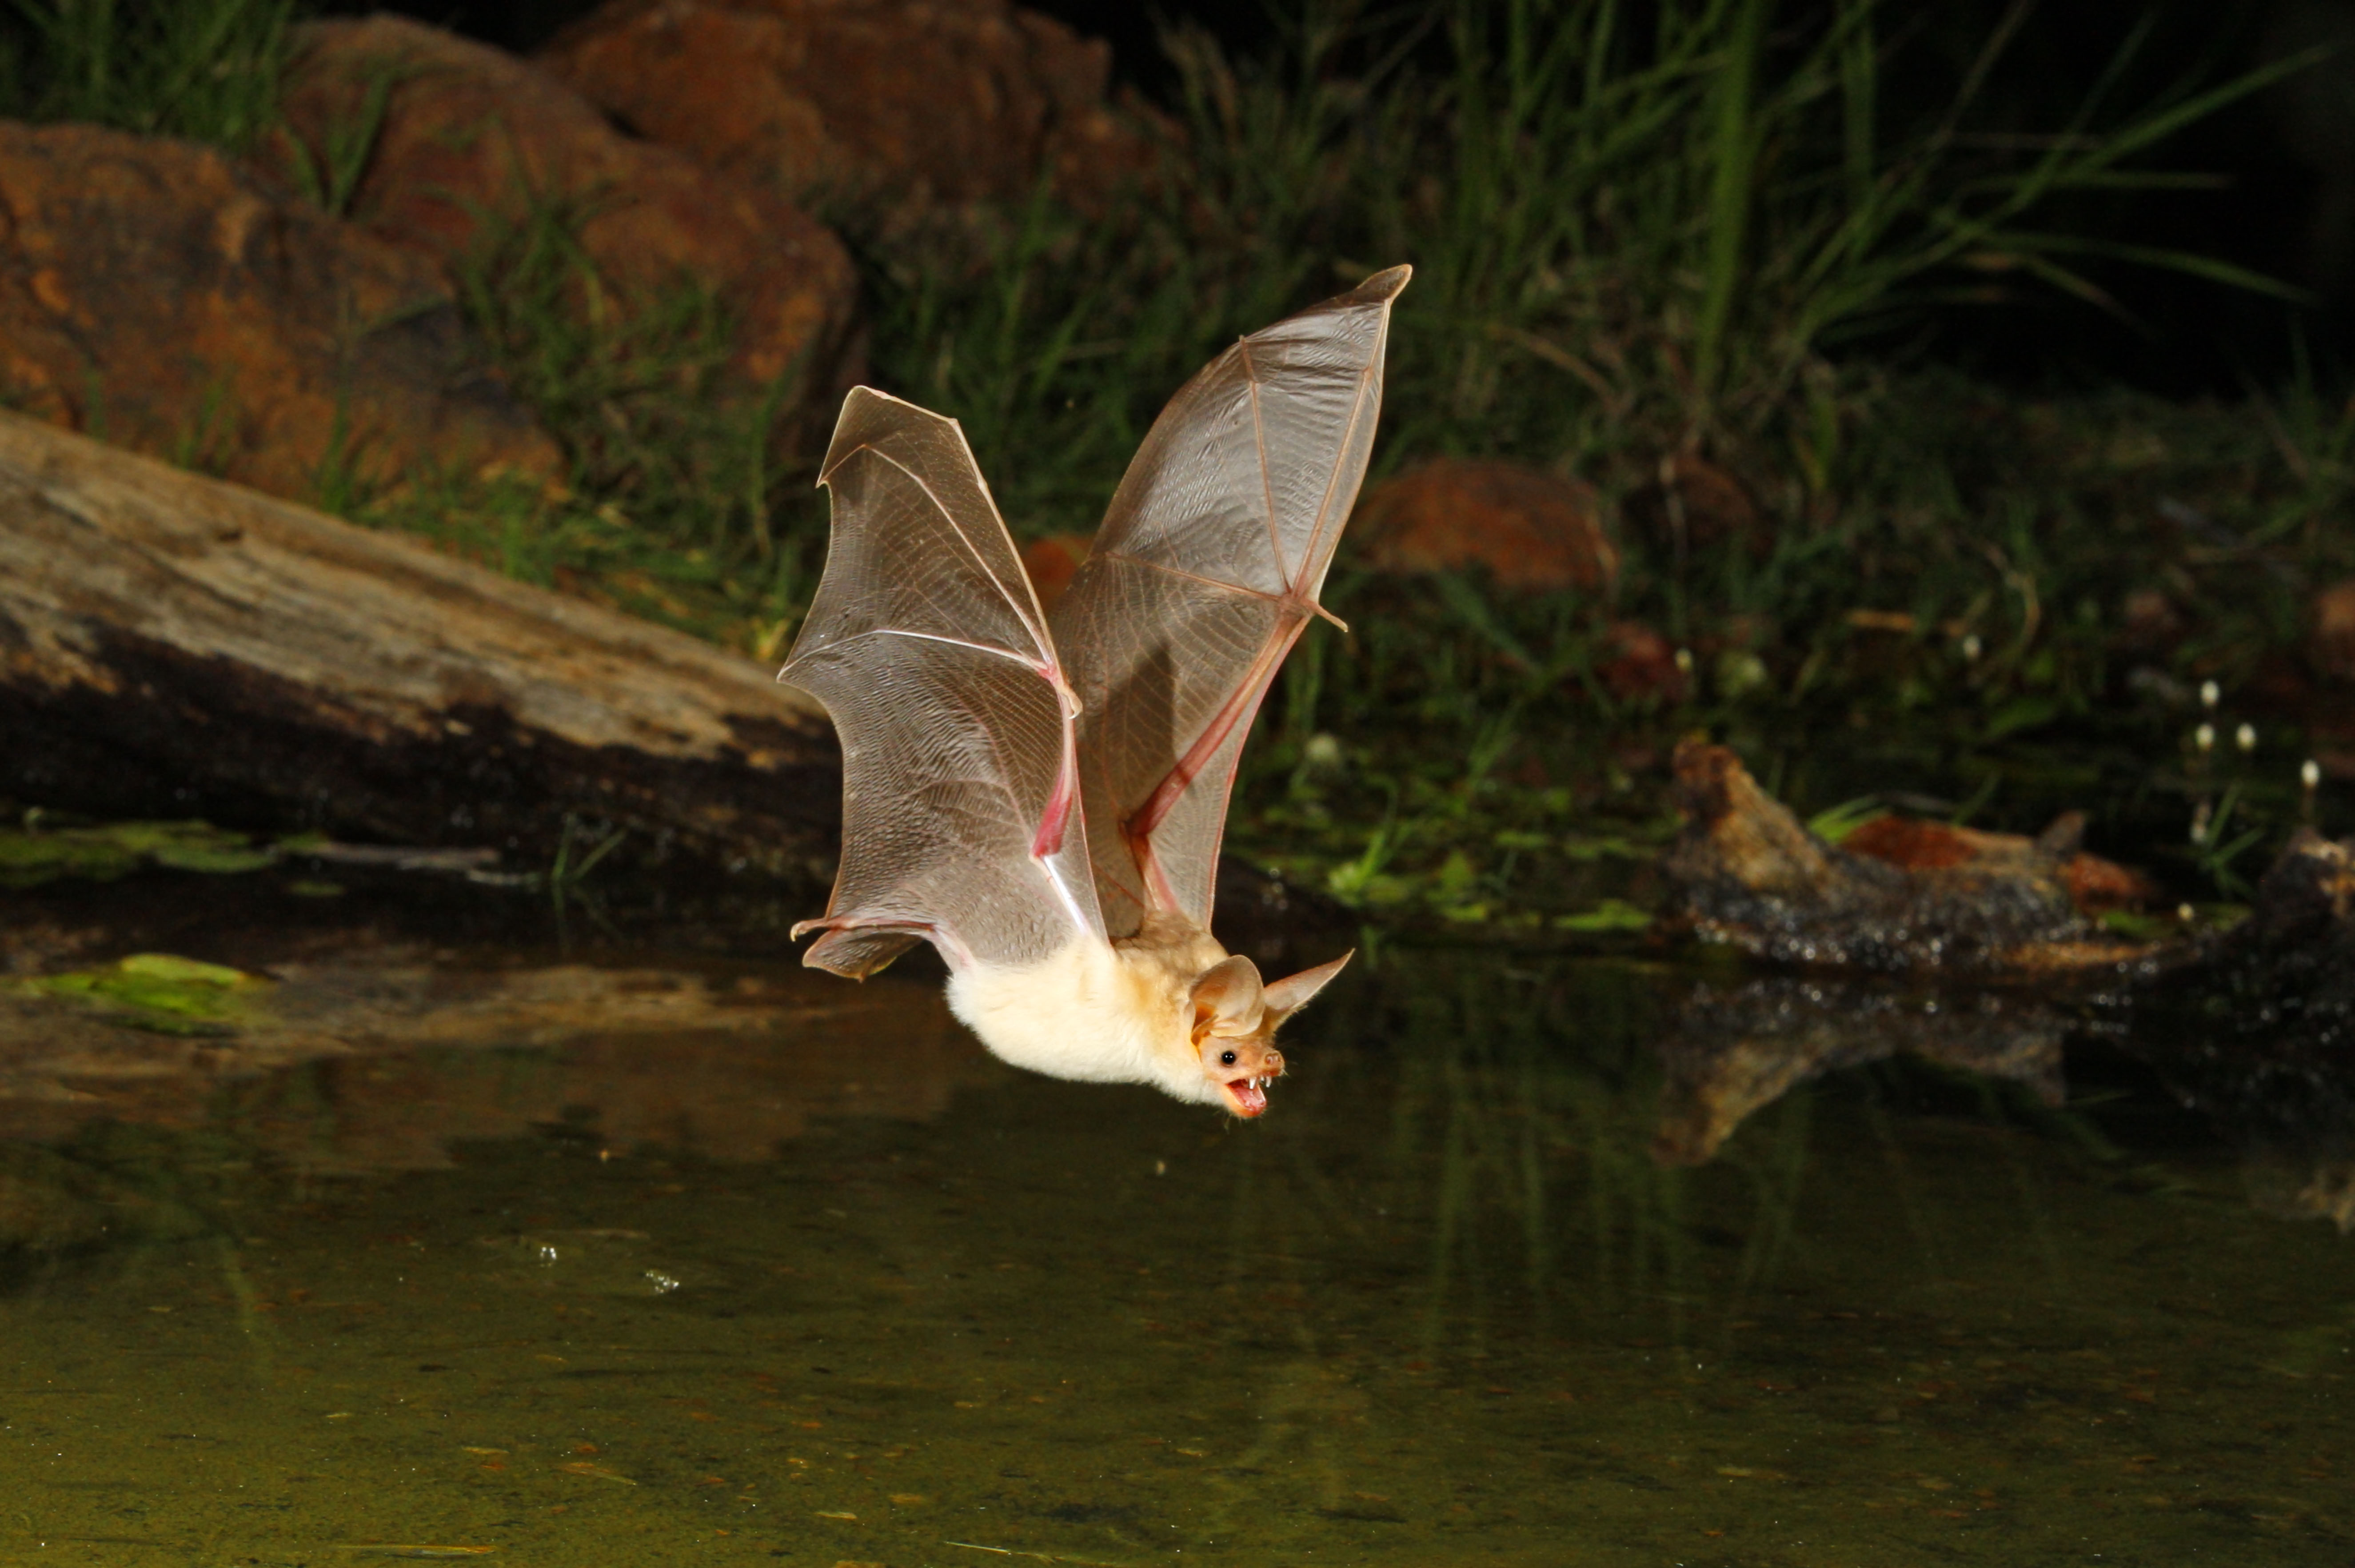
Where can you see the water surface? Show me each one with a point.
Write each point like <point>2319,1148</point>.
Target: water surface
<point>644,1247</point>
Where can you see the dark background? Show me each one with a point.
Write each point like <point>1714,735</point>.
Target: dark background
<point>2284,161</point>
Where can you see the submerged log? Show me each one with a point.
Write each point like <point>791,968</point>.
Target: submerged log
<point>174,646</point>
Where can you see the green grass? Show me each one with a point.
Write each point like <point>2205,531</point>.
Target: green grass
<point>683,498</point>
<point>2023,527</point>
<point>1681,230</point>
<point>1631,246</point>
<point>1629,240</point>
<point>205,70</point>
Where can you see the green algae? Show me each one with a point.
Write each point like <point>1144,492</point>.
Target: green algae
<point>159,993</point>
<point>33,855</point>
<point>1610,915</point>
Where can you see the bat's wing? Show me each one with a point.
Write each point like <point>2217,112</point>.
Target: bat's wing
<point>1206,569</point>
<point>961,820</point>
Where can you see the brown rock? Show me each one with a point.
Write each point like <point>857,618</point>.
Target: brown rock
<point>157,294</point>
<point>1052,563</point>
<point>897,100</point>
<point>2333,644</point>
<point>1696,506</point>
<point>1526,528</point>
<point>1639,663</point>
<point>470,135</point>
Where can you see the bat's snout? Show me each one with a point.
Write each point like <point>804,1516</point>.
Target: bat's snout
<point>1242,1070</point>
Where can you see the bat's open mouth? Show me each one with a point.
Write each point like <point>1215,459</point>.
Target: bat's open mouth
<point>1246,1097</point>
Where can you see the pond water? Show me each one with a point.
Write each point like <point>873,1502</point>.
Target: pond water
<point>454,1234</point>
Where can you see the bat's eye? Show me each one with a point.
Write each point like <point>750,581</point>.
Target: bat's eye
<point>1226,1058</point>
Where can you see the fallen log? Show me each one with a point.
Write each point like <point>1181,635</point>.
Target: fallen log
<point>172,645</point>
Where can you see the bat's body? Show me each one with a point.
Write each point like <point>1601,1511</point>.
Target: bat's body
<point>1044,805</point>
<point>1102,1012</point>
<point>1136,1011</point>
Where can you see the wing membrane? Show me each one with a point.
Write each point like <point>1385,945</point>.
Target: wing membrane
<point>1205,572</point>
<point>960,804</point>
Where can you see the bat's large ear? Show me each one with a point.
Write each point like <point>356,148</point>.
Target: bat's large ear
<point>1289,995</point>
<point>1228,998</point>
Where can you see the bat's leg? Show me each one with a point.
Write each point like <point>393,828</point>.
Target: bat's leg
<point>1159,893</point>
<point>1237,711</point>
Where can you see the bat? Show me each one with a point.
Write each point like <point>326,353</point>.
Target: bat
<point>1042,799</point>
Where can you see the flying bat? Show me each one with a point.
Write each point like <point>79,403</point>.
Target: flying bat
<point>1041,798</point>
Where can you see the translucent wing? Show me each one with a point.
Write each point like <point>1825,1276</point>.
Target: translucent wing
<point>961,820</point>
<point>1206,569</point>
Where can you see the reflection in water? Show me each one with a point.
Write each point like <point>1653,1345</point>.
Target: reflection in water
<point>1534,1260</point>
<point>1732,1051</point>
<point>371,1054</point>
<point>729,1090</point>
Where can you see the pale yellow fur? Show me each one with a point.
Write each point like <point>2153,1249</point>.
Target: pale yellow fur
<point>1098,1012</point>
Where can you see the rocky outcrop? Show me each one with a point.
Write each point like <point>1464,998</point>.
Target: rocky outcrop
<point>157,294</point>
<point>440,142</point>
<point>892,100</point>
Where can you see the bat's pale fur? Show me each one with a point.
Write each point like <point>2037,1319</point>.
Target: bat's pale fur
<point>1130,1013</point>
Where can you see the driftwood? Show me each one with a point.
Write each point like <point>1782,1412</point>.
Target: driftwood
<point>1746,872</point>
<point>173,646</point>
